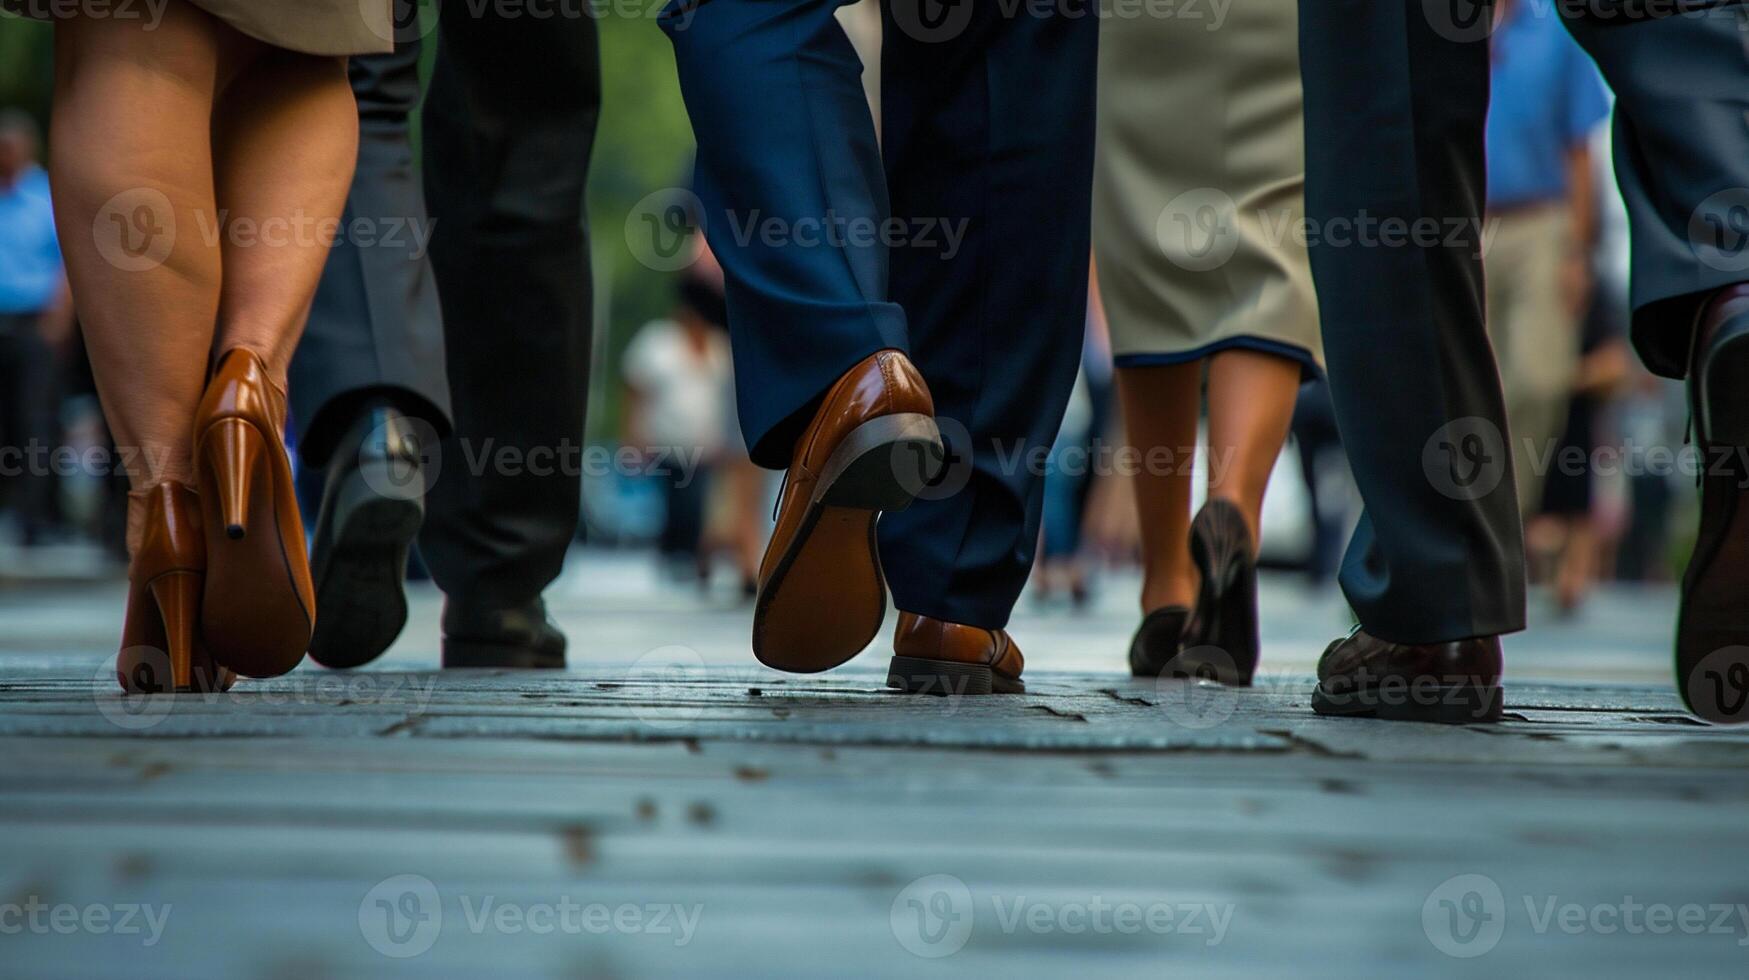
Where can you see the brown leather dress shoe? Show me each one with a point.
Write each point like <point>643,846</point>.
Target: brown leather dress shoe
<point>1712,625</point>
<point>1452,683</point>
<point>872,446</point>
<point>933,656</point>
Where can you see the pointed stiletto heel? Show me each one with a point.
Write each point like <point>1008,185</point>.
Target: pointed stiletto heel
<point>161,649</point>
<point>231,450</point>
<point>258,608</point>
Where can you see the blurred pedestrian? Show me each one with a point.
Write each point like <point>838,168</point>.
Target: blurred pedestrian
<point>36,320</point>
<point>1202,274</point>
<point>677,379</point>
<point>199,160</point>
<point>1546,102</point>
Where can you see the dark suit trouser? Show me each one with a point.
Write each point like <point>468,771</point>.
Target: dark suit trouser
<point>987,129</point>
<point>508,127</point>
<point>1395,111</point>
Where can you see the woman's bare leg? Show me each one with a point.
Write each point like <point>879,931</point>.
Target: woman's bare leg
<point>285,140</point>
<point>133,185</point>
<point>1251,407</point>
<point>1160,413</point>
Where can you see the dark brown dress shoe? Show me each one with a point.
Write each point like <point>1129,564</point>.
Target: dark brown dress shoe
<point>1712,625</point>
<point>1452,683</point>
<point>872,446</point>
<point>1155,645</point>
<point>1221,640</point>
<point>933,656</point>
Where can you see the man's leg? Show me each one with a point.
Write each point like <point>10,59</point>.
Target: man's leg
<point>988,139</point>
<point>510,122</point>
<point>1682,159</point>
<point>368,382</point>
<point>794,202</point>
<point>1395,109</point>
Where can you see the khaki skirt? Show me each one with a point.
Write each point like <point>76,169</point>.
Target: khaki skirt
<point>1198,194</point>
<point>322,27</point>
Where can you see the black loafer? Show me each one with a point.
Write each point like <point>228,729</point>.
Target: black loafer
<point>487,634</point>
<point>372,506</point>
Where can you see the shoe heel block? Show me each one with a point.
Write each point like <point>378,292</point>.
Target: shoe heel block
<point>883,464</point>
<point>939,677</point>
<point>1724,392</point>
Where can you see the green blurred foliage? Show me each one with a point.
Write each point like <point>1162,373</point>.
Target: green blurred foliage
<point>644,144</point>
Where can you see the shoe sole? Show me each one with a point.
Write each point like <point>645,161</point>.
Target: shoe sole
<point>1449,704</point>
<point>945,678</point>
<point>360,569</point>
<point>1712,625</point>
<point>826,597</point>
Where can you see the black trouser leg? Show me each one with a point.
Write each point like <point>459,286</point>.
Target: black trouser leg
<point>508,128</point>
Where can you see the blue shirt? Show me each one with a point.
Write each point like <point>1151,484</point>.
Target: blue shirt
<point>30,257</point>
<point>1546,98</point>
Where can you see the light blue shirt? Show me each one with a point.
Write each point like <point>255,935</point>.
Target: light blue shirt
<point>1546,98</point>
<point>30,256</point>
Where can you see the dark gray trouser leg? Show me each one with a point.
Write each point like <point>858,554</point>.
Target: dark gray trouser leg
<point>1682,159</point>
<point>374,325</point>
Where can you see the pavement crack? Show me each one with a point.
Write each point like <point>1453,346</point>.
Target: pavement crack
<point>1126,699</point>
<point>405,726</point>
<point>1302,744</point>
<point>1047,709</point>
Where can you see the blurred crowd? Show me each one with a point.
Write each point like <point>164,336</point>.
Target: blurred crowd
<point>1596,439</point>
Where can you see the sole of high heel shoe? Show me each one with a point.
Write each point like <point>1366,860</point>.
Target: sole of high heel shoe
<point>1445,704</point>
<point>826,597</point>
<point>253,615</point>
<point>359,564</point>
<point>1228,599</point>
<point>943,678</point>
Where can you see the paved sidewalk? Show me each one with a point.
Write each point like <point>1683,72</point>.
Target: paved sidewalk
<point>668,806</point>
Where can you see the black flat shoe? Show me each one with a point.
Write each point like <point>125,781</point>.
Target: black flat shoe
<point>1221,641</point>
<point>372,506</point>
<point>1156,641</point>
<point>1712,626</point>
<point>485,634</point>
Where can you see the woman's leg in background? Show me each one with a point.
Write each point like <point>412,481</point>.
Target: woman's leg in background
<point>1159,406</point>
<point>1251,406</point>
<point>133,191</point>
<point>285,138</point>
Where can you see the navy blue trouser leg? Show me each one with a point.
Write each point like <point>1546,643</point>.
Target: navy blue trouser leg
<point>789,176</point>
<point>990,133</point>
<point>988,158</point>
<point>1395,108</point>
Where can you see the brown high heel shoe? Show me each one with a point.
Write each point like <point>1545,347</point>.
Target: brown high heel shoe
<point>160,642</point>
<point>259,606</point>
